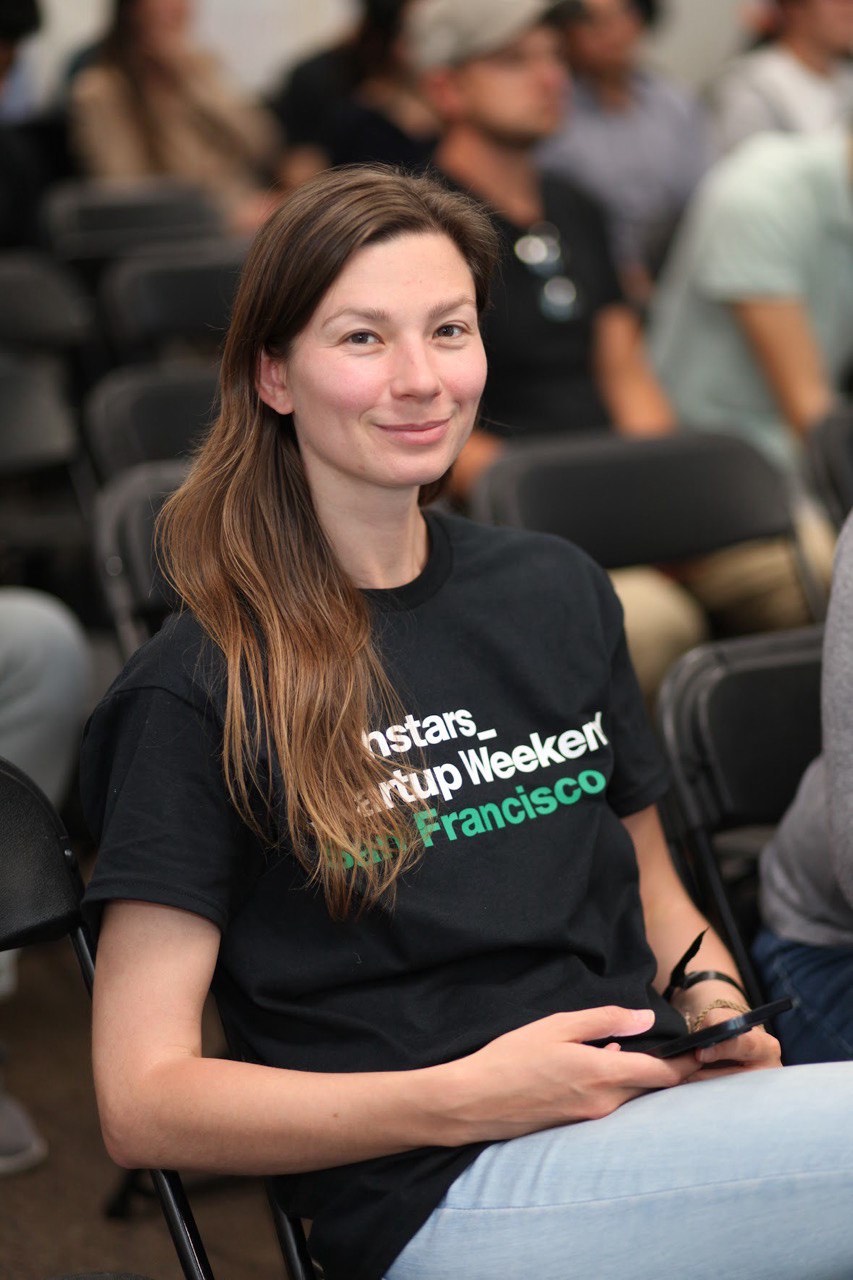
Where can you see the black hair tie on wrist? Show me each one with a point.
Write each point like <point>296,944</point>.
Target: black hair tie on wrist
<point>708,975</point>
<point>681,980</point>
<point>676,978</point>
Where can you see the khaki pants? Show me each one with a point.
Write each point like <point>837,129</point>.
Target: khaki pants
<point>751,587</point>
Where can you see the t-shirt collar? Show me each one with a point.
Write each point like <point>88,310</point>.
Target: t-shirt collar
<point>431,578</point>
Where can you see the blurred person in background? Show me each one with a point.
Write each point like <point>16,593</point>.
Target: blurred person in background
<point>751,329</point>
<point>633,138</point>
<point>45,670</point>
<point>805,947</point>
<point>150,104</point>
<point>565,351</point>
<point>357,102</point>
<point>801,81</point>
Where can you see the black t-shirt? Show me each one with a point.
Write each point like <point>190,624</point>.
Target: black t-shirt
<point>360,134</point>
<point>509,659</point>
<point>541,379</point>
<point>311,94</point>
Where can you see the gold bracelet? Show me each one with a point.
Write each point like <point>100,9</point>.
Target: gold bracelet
<point>694,1023</point>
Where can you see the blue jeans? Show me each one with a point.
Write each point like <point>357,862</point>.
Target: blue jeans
<point>820,1029</point>
<point>748,1175</point>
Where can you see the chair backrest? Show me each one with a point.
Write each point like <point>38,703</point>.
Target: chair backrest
<point>136,594</point>
<point>40,887</point>
<point>37,429</point>
<point>740,722</point>
<point>829,459</point>
<point>149,413</point>
<point>42,306</point>
<point>174,293</point>
<point>88,222</point>
<point>638,501</point>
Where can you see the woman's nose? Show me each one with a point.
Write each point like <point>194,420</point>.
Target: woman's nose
<point>414,371</point>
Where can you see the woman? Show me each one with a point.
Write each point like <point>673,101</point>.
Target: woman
<point>631,137</point>
<point>148,104</point>
<point>387,784</point>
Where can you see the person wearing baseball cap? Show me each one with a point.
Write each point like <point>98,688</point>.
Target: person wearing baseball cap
<point>563,344</point>
<point>564,348</point>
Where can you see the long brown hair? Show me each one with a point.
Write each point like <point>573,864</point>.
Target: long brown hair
<point>242,545</point>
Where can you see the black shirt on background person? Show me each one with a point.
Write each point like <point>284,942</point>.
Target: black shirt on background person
<point>538,332</point>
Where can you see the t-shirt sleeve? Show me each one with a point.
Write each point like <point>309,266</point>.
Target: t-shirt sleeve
<point>154,798</point>
<point>640,776</point>
<point>751,242</point>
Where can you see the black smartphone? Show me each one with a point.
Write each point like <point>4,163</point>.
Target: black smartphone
<point>706,1036</point>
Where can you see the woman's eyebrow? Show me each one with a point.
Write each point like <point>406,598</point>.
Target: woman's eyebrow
<point>377,316</point>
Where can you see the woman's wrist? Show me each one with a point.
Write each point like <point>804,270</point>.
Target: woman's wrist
<point>704,995</point>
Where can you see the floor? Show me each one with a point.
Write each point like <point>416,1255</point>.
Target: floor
<point>51,1218</point>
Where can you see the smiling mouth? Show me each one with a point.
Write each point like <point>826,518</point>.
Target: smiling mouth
<point>415,428</point>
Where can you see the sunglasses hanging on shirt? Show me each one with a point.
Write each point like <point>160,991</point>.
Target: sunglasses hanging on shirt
<point>541,251</point>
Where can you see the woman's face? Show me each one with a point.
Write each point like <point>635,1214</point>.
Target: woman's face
<point>162,19</point>
<point>385,380</point>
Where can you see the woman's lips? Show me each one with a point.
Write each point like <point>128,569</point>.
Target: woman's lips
<point>423,432</point>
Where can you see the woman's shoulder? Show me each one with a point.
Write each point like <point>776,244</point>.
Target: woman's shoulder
<point>544,558</point>
<point>180,660</point>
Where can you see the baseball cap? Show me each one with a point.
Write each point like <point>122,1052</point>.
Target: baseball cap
<point>440,33</point>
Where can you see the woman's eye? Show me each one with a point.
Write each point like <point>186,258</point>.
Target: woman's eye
<point>362,338</point>
<point>450,331</point>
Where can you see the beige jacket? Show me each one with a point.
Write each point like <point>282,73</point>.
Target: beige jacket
<point>208,131</point>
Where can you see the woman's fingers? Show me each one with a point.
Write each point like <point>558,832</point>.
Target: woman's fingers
<point>754,1050</point>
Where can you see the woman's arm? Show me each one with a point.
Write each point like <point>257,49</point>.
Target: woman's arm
<point>163,1105</point>
<point>672,922</point>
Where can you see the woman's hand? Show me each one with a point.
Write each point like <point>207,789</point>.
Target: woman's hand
<point>545,1074</point>
<point>755,1050</point>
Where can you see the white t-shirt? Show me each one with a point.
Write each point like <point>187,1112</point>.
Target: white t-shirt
<point>772,220</point>
<point>771,89</point>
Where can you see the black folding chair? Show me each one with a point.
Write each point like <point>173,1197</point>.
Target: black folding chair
<point>43,488</point>
<point>829,461</point>
<point>650,501</point>
<point>40,896</point>
<point>740,722</point>
<point>88,223</point>
<point>42,307</point>
<point>135,592</point>
<point>149,413</point>
<point>176,296</point>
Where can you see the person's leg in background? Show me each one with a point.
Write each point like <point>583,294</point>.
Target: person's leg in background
<point>755,586</point>
<point>750,1175</point>
<point>662,621</point>
<point>820,1027</point>
<point>44,694</point>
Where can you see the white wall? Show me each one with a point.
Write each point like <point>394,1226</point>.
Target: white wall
<point>257,39</point>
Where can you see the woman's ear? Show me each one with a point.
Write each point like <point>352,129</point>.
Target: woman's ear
<point>271,383</point>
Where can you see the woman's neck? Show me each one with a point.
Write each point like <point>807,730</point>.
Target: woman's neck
<point>380,546</point>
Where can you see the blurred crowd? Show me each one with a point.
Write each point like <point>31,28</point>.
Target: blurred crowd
<point>671,261</point>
